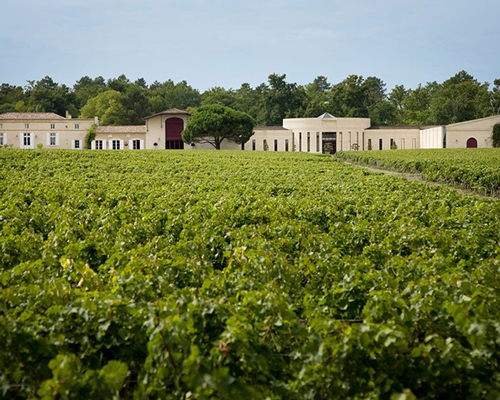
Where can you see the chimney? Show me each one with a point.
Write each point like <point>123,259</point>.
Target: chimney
<point>68,115</point>
<point>96,121</point>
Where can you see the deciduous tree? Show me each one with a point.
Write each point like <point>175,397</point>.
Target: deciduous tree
<point>166,95</point>
<point>460,98</point>
<point>281,100</point>
<point>87,88</point>
<point>46,95</point>
<point>108,107</point>
<point>495,97</point>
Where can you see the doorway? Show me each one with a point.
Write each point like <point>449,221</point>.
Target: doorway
<point>329,141</point>
<point>173,130</point>
<point>472,143</point>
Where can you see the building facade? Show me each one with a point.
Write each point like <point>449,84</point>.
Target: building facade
<point>49,130</point>
<point>162,131</point>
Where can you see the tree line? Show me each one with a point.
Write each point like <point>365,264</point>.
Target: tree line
<point>119,101</point>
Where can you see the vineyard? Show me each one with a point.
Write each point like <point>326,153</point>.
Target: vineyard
<point>232,275</point>
<point>475,169</point>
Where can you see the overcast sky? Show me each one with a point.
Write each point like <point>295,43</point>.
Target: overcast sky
<point>228,42</point>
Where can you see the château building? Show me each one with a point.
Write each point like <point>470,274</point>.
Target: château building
<point>325,134</point>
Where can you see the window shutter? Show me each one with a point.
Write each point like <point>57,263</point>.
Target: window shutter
<point>57,139</point>
<point>32,141</point>
<point>142,144</point>
<point>48,139</point>
<point>21,141</point>
<point>92,145</point>
<point>122,144</point>
<point>5,138</point>
<point>110,144</point>
<point>73,144</point>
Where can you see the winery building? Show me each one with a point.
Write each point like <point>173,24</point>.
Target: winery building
<point>324,134</point>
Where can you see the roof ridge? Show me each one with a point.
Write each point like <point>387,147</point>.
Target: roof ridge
<point>327,115</point>
<point>171,111</point>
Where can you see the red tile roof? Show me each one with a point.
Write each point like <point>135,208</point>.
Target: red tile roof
<point>121,129</point>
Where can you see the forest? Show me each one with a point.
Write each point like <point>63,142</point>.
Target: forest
<point>120,101</point>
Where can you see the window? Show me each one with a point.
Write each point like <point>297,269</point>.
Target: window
<point>52,126</point>
<point>99,145</point>
<point>1,126</point>
<point>286,145</point>
<point>265,146</point>
<point>26,126</point>
<point>317,142</point>
<point>308,142</point>
<point>380,144</point>
<point>2,139</point>
<point>52,139</point>
<point>392,144</point>
<point>115,144</point>
<point>253,144</point>
<point>136,144</point>
<point>369,144</point>
<point>243,146</point>
<point>26,139</point>
<point>300,141</point>
<point>77,126</point>
<point>275,144</point>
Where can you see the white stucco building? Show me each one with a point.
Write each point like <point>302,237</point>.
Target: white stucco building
<point>29,130</point>
<point>325,134</point>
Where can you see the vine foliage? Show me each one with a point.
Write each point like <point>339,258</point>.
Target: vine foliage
<point>90,136</point>
<point>235,275</point>
<point>495,135</point>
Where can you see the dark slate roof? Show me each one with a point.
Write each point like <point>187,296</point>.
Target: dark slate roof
<point>30,116</point>
<point>172,111</point>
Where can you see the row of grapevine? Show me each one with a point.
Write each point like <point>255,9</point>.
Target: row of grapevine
<point>475,169</point>
<point>196,275</point>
